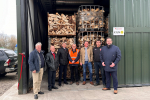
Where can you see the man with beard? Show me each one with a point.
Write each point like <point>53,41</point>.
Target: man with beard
<point>98,64</point>
<point>110,56</point>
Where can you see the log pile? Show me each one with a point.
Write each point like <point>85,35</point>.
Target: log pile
<point>90,19</point>
<point>57,42</point>
<point>91,39</point>
<point>68,73</point>
<point>106,25</point>
<point>61,24</point>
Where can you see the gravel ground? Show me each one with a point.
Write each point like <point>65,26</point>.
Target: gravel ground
<point>7,81</point>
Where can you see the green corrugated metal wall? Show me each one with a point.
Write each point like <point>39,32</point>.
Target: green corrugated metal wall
<point>134,16</point>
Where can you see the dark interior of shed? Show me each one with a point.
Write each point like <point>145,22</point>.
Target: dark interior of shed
<point>71,6</point>
<point>67,7</point>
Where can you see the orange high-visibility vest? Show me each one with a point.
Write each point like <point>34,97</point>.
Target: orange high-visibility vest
<point>73,56</point>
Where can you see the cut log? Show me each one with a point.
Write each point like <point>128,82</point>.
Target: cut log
<point>106,25</point>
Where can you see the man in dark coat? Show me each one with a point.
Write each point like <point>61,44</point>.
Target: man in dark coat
<point>52,62</point>
<point>36,64</point>
<point>63,61</point>
<point>98,64</point>
<point>110,56</point>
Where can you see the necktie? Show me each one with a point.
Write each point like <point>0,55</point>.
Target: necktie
<point>53,55</point>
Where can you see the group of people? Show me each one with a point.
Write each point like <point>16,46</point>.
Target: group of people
<point>105,59</point>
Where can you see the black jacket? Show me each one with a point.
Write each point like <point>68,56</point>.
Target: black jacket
<point>52,63</point>
<point>63,56</point>
<point>96,54</point>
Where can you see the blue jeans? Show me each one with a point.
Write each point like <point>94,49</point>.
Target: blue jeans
<point>98,65</point>
<point>89,64</point>
<point>108,79</point>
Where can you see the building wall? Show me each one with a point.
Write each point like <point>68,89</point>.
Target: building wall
<point>134,16</point>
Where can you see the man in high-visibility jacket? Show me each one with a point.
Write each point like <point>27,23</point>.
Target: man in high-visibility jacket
<point>74,56</point>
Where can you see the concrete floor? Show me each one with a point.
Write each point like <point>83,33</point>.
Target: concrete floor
<point>87,92</point>
<point>81,92</point>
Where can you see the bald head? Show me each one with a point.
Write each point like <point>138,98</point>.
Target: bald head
<point>52,49</point>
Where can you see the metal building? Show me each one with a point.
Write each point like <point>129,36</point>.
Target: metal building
<point>133,15</point>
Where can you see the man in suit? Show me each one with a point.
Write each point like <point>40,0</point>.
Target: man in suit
<point>52,62</point>
<point>63,61</point>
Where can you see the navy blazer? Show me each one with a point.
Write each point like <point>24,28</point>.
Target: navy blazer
<point>110,54</point>
<point>34,61</point>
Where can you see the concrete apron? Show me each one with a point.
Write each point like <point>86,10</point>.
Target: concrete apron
<point>80,92</point>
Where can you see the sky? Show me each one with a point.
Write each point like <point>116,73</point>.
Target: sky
<point>8,17</point>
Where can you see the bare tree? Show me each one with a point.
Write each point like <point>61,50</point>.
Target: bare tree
<point>8,42</point>
<point>12,42</point>
<point>4,40</point>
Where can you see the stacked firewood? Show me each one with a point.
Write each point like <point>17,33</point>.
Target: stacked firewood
<point>57,42</point>
<point>69,41</point>
<point>91,18</point>
<point>91,39</point>
<point>106,25</point>
<point>61,24</point>
<point>68,73</point>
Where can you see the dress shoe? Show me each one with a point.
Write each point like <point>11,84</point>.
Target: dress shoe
<point>96,84</point>
<point>77,83</point>
<point>91,83</point>
<point>106,89</point>
<point>115,91</point>
<point>71,83</point>
<point>40,92</point>
<point>83,83</point>
<point>54,87</point>
<point>65,82</point>
<point>36,96</point>
<point>49,89</point>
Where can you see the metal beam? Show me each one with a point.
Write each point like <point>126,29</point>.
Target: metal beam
<point>19,43</point>
<point>22,17</point>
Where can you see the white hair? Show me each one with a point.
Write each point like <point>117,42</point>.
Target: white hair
<point>39,43</point>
